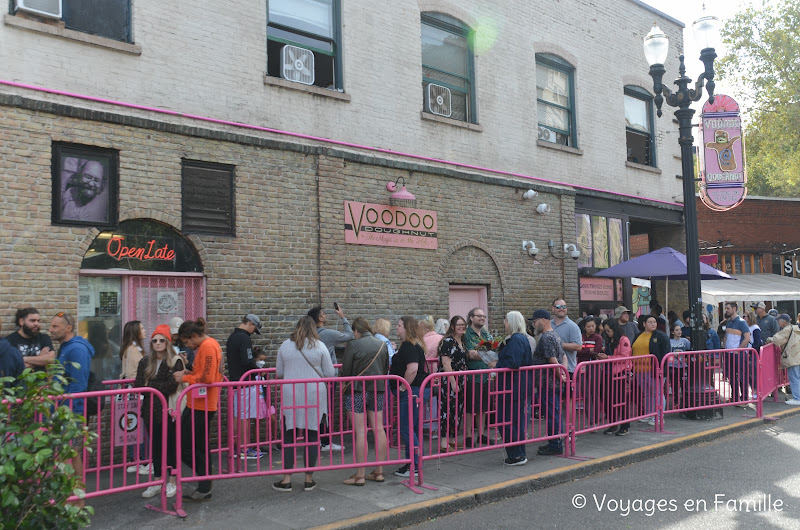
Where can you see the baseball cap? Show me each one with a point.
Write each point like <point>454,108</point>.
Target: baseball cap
<point>540,313</point>
<point>621,309</point>
<point>785,317</point>
<point>175,324</point>
<point>758,305</point>
<point>255,320</point>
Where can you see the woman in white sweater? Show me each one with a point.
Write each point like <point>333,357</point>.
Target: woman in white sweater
<point>302,356</point>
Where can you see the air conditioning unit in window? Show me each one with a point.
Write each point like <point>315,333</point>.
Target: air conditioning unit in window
<point>438,100</point>
<point>547,135</point>
<point>297,64</point>
<point>45,8</point>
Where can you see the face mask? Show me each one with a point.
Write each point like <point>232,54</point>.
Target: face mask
<point>261,364</point>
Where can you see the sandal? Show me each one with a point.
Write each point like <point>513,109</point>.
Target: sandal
<point>354,480</point>
<point>375,477</point>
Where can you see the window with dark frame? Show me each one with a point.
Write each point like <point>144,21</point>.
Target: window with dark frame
<point>312,25</point>
<point>207,198</point>
<point>639,134</point>
<point>555,100</point>
<point>600,240</point>
<point>105,18</point>
<point>448,65</point>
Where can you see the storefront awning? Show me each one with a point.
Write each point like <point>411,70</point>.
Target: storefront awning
<point>752,287</point>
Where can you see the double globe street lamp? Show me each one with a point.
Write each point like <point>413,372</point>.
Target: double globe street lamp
<point>656,48</point>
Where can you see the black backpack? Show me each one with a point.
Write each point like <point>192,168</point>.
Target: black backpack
<point>92,402</point>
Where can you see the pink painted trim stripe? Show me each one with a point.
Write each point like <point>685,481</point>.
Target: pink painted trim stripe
<point>324,140</point>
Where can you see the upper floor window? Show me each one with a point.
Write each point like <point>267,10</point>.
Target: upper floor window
<point>555,100</point>
<point>304,42</point>
<point>447,68</point>
<point>106,18</point>
<point>639,136</point>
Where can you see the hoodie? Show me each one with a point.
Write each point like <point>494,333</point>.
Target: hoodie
<point>76,350</point>
<point>11,363</point>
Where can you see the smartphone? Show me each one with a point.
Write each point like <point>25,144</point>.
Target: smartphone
<point>336,305</point>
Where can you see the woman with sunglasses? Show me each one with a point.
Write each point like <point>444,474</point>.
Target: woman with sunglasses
<point>157,371</point>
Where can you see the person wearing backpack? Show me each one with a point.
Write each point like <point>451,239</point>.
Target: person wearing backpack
<point>788,339</point>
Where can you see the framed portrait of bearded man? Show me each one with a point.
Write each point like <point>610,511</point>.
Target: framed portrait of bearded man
<point>85,184</point>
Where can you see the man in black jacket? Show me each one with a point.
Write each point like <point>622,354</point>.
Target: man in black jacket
<point>239,352</point>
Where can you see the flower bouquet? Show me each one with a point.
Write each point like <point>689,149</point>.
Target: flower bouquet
<point>488,349</point>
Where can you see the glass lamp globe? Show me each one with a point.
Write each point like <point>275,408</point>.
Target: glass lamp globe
<point>656,46</point>
<point>706,30</point>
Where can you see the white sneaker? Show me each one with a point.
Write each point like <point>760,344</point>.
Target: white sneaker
<point>792,401</point>
<point>152,491</point>
<point>171,489</point>
<point>145,470</point>
<point>651,422</point>
<point>132,469</point>
<point>332,447</point>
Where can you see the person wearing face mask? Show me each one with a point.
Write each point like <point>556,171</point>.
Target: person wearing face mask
<point>239,352</point>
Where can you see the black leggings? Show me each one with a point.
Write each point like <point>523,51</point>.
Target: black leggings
<point>310,450</point>
<point>172,449</point>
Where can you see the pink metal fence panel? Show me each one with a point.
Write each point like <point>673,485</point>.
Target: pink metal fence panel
<point>122,419</point>
<point>214,450</point>
<point>698,380</point>
<point>771,375</point>
<point>614,392</point>
<point>489,409</point>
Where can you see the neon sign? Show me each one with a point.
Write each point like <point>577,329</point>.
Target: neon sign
<point>117,250</point>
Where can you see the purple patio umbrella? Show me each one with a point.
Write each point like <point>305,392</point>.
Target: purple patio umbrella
<point>662,264</point>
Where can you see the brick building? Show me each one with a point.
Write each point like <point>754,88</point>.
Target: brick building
<point>222,179</point>
<point>759,236</point>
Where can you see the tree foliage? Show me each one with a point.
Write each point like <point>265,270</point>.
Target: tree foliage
<point>38,439</point>
<point>763,50</point>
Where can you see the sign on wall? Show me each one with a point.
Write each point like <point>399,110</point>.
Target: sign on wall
<point>389,226</point>
<point>597,289</point>
<point>722,164</point>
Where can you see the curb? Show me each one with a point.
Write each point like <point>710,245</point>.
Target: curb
<point>421,512</point>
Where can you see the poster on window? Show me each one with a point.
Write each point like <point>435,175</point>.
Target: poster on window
<point>109,303</point>
<point>127,419</point>
<point>86,306</point>
<point>167,302</point>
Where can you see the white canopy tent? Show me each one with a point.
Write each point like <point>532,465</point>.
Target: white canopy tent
<point>752,288</point>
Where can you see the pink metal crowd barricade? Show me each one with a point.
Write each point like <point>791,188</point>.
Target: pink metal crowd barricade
<point>120,433</point>
<point>614,392</point>
<point>771,375</point>
<point>506,409</point>
<point>708,379</point>
<point>226,461</point>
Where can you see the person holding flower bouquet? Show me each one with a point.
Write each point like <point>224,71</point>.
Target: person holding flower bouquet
<point>452,358</point>
<point>477,389</point>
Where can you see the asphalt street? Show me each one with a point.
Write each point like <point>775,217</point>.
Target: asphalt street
<point>747,480</point>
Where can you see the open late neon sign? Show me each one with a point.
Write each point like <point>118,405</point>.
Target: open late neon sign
<point>118,250</point>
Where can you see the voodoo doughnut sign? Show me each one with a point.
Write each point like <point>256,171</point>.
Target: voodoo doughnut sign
<point>722,169</point>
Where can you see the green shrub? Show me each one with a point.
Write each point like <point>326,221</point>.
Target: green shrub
<point>38,439</point>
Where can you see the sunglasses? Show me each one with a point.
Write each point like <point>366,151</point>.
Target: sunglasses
<point>560,306</point>
<point>158,341</point>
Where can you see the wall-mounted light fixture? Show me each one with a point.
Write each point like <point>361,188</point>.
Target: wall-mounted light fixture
<point>400,197</point>
<point>530,194</point>
<point>570,250</point>
<point>543,208</point>
<point>530,246</point>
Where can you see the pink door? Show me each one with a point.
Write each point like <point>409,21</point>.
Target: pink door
<point>463,298</point>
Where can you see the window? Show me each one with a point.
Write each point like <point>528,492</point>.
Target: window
<point>447,64</point>
<point>600,239</point>
<point>312,25</point>
<point>639,126</point>
<point>105,18</point>
<point>555,100</point>
<point>207,198</point>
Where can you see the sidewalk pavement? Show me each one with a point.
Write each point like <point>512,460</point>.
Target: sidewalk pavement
<point>463,482</point>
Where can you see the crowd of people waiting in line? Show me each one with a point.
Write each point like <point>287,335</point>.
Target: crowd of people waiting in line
<point>181,353</point>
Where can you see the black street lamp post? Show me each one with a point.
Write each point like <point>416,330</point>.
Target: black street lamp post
<point>656,46</point>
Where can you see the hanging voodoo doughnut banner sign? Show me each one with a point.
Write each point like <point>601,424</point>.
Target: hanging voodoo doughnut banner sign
<point>722,169</point>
